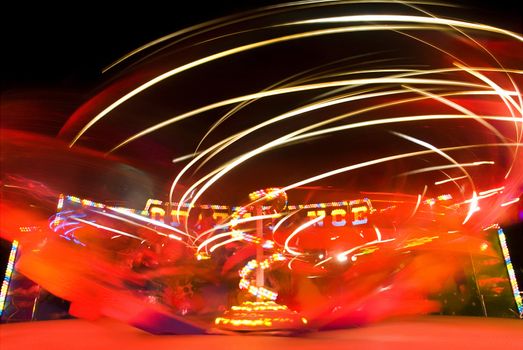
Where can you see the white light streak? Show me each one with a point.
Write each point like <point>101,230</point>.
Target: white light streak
<point>515,200</point>
<point>450,180</point>
<point>298,230</point>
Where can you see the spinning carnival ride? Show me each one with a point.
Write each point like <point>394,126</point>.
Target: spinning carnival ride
<point>145,256</point>
<point>424,110</point>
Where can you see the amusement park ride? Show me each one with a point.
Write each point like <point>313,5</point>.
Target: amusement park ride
<point>323,96</point>
<point>173,272</point>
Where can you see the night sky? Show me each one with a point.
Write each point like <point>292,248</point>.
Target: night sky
<point>66,47</point>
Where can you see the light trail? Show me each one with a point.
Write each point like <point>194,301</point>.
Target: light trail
<point>126,234</point>
<point>404,77</point>
<point>217,237</point>
<point>342,19</point>
<point>450,180</point>
<point>382,160</point>
<point>352,126</point>
<point>474,203</point>
<point>298,230</point>
<point>150,221</point>
<point>461,109</point>
<point>268,93</point>
<point>226,53</point>
<point>285,218</point>
<point>328,99</point>
<point>236,222</point>
<point>222,144</point>
<point>343,255</point>
<point>227,142</point>
<point>448,166</point>
<point>418,202</point>
<point>221,244</point>
<point>245,16</point>
<point>513,201</point>
<point>413,19</point>
<point>506,99</point>
<point>392,121</point>
<point>351,97</point>
<point>494,190</point>
<point>287,138</point>
<point>294,89</point>
<point>134,224</point>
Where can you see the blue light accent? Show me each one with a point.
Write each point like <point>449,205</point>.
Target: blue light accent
<point>360,222</point>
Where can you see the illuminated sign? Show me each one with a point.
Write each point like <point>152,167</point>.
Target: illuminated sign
<point>335,215</point>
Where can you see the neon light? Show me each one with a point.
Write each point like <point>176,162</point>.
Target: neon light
<point>142,215</point>
<point>318,205</point>
<point>60,203</point>
<point>150,202</point>
<point>444,197</point>
<point>8,272</point>
<point>259,292</point>
<point>360,215</point>
<point>250,306</point>
<point>59,208</point>
<point>314,214</point>
<point>157,202</point>
<point>260,313</point>
<point>510,270</point>
<point>338,217</point>
<point>268,194</point>
<point>29,228</point>
<point>157,214</point>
